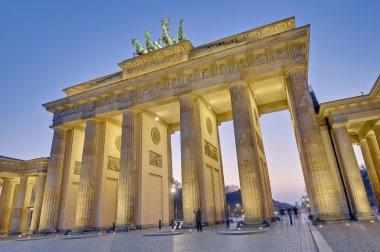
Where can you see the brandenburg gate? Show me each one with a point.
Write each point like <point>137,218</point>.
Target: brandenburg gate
<point>110,159</point>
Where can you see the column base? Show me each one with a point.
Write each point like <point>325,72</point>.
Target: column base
<point>365,217</point>
<point>253,221</point>
<point>331,218</point>
<point>125,227</point>
<point>47,231</point>
<point>14,233</point>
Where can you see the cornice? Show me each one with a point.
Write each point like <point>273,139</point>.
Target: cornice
<point>351,101</point>
<point>134,83</point>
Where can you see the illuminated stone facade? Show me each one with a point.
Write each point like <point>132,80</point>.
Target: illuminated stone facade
<point>110,159</point>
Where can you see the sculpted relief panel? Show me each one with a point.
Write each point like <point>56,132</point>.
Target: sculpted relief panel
<point>288,55</point>
<point>155,159</point>
<point>211,151</point>
<point>113,164</point>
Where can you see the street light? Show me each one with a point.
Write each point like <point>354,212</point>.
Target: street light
<point>173,190</point>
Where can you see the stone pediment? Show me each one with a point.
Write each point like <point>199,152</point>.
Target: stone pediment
<point>156,60</point>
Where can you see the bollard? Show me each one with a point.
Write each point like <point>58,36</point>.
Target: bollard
<point>172,224</point>
<point>159,224</point>
<point>290,217</point>
<point>113,226</point>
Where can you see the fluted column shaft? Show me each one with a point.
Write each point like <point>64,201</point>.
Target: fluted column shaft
<point>85,211</point>
<point>38,202</point>
<point>6,199</point>
<point>128,170</point>
<point>170,177</point>
<point>317,173</point>
<point>247,155</point>
<point>189,159</point>
<point>377,135</point>
<point>374,179</point>
<point>375,152</point>
<point>19,205</point>
<point>351,173</point>
<point>52,193</point>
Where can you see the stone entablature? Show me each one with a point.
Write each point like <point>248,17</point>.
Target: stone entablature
<point>248,59</point>
<point>17,166</point>
<point>179,53</point>
<point>359,108</point>
<point>156,60</point>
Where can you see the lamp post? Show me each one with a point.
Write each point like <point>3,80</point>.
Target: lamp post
<point>173,190</point>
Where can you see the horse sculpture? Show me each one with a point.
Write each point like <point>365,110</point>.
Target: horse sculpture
<point>181,35</point>
<point>140,50</point>
<point>165,38</point>
<point>150,45</point>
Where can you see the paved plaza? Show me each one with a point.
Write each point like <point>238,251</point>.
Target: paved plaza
<point>281,237</point>
<point>354,236</point>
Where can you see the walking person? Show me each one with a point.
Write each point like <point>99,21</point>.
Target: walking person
<point>290,215</point>
<point>295,210</point>
<point>198,219</point>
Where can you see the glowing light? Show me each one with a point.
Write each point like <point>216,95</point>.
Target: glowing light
<point>156,118</point>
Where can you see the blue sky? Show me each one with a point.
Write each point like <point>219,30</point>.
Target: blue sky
<point>46,46</point>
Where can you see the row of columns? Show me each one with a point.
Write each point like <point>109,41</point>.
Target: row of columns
<point>16,202</point>
<point>254,181</point>
<point>370,147</point>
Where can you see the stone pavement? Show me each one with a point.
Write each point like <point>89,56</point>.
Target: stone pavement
<point>352,236</point>
<point>281,237</point>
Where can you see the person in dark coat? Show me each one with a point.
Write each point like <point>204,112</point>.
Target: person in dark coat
<point>198,219</point>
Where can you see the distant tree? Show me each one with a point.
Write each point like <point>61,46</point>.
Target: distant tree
<point>232,188</point>
<point>177,184</point>
<point>367,184</point>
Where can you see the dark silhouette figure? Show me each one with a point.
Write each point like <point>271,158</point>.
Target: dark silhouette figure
<point>290,215</point>
<point>198,219</point>
<point>295,210</point>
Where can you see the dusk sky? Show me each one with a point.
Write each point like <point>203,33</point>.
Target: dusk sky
<point>46,46</point>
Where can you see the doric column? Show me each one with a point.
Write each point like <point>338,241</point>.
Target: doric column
<point>170,176</point>
<point>225,209</point>
<point>128,171</point>
<point>38,202</point>
<point>375,183</point>
<point>376,131</point>
<point>317,173</point>
<point>85,207</point>
<point>50,203</point>
<point>6,199</point>
<point>19,206</point>
<point>247,154</point>
<point>374,152</point>
<point>189,159</point>
<point>351,173</point>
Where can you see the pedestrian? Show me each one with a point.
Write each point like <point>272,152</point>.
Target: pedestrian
<point>290,215</point>
<point>295,210</point>
<point>198,219</point>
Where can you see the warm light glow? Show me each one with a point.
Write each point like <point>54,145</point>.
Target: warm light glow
<point>156,118</point>
<point>173,190</point>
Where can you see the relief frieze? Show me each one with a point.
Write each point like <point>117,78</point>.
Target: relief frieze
<point>289,55</point>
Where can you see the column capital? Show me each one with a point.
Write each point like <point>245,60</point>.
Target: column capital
<point>60,128</point>
<point>339,125</point>
<point>376,127</point>
<point>189,96</point>
<point>363,141</point>
<point>93,119</point>
<point>299,68</point>
<point>240,83</point>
